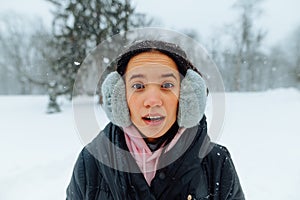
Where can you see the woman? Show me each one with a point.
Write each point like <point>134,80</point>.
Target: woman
<point>156,145</point>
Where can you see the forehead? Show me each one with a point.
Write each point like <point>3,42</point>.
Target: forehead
<point>151,60</point>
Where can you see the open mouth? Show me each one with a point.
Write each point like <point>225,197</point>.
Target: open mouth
<point>153,119</point>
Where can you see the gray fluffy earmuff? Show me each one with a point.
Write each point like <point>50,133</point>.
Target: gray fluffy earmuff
<point>192,100</point>
<point>114,100</point>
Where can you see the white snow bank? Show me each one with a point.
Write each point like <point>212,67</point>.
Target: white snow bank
<point>261,130</point>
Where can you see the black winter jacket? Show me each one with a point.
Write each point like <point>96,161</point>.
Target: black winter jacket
<point>191,176</point>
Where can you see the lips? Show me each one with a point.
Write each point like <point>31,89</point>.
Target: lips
<point>153,119</point>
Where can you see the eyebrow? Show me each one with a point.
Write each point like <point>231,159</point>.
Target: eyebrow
<point>169,75</point>
<point>162,76</point>
<point>136,76</point>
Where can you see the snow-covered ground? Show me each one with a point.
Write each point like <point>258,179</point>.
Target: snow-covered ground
<point>261,131</point>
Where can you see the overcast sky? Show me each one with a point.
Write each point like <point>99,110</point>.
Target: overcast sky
<point>280,17</point>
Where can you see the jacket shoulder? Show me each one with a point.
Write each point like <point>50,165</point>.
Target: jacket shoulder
<point>223,178</point>
<point>86,176</point>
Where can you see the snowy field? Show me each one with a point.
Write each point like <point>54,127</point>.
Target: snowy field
<point>261,131</point>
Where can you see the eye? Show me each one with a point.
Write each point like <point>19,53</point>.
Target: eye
<point>167,85</point>
<point>138,86</point>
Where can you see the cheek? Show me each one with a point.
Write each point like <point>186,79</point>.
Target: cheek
<point>133,103</point>
<point>172,104</point>
<point>129,99</point>
<point>175,97</point>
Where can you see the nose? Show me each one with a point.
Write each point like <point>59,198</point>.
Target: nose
<point>153,96</point>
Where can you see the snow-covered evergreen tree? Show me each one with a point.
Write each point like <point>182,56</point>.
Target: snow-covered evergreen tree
<point>78,27</point>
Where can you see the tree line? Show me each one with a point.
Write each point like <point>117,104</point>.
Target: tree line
<point>35,60</point>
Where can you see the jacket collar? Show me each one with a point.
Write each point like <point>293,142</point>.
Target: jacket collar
<point>123,175</point>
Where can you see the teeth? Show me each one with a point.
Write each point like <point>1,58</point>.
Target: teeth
<point>154,117</point>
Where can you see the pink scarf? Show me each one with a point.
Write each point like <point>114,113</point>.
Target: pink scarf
<point>145,159</point>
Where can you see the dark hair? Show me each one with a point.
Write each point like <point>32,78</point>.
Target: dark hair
<point>169,49</point>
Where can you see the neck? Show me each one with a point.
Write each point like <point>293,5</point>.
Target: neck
<point>156,143</point>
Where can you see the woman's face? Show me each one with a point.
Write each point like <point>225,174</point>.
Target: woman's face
<point>152,90</point>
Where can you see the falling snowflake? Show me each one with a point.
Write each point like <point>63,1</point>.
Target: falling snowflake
<point>76,63</point>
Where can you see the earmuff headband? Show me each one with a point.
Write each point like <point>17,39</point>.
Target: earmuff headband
<point>192,100</point>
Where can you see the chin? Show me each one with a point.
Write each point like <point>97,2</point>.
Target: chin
<point>154,132</point>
